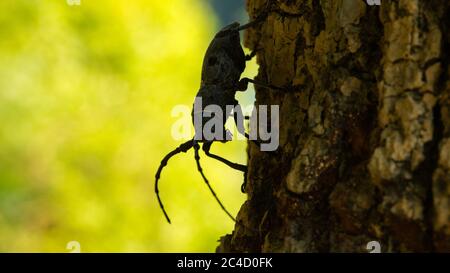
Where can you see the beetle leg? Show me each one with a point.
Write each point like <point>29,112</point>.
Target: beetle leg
<point>258,83</point>
<point>207,146</point>
<point>243,168</point>
<point>244,185</point>
<point>252,54</point>
<point>242,85</point>
<point>240,125</point>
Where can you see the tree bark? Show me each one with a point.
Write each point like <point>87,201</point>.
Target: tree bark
<point>364,149</point>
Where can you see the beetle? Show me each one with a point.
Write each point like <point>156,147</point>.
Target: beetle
<point>223,64</point>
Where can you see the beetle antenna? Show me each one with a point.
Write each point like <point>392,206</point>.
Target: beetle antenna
<point>182,148</point>
<point>199,168</point>
<point>259,18</point>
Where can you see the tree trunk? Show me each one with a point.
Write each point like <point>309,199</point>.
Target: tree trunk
<point>364,149</point>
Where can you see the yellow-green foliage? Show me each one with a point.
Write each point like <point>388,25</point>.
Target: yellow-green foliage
<point>86,94</point>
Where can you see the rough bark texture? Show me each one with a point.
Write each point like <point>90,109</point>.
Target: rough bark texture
<point>364,136</point>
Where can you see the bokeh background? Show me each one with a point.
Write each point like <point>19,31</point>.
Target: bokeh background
<point>86,94</point>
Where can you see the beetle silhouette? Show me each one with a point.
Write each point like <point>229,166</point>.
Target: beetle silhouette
<point>223,64</point>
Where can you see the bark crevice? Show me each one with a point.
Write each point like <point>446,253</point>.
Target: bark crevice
<point>363,140</point>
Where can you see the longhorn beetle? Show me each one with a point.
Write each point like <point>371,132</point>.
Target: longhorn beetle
<point>223,65</point>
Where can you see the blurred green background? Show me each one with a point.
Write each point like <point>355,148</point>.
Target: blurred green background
<point>86,94</point>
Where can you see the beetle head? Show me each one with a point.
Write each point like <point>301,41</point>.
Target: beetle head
<point>227,30</point>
